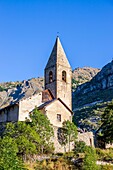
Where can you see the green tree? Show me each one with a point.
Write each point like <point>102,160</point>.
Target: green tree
<point>80,147</point>
<point>32,136</point>
<point>68,133</point>
<point>90,159</point>
<point>25,137</point>
<point>42,126</point>
<point>107,124</point>
<point>8,155</point>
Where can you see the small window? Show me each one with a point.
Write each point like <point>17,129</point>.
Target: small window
<point>50,77</point>
<point>64,76</point>
<point>59,117</point>
<point>90,142</point>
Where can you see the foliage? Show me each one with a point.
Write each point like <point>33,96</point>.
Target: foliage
<point>107,123</point>
<point>56,164</point>
<point>80,147</point>
<point>68,133</point>
<point>42,126</point>
<point>8,155</point>
<point>69,155</point>
<point>101,154</point>
<point>2,88</point>
<point>89,116</point>
<point>25,137</point>
<point>75,83</point>
<point>106,167</point>
<point>104,154</point>
<point>90,159</point>
<point>30,137</point>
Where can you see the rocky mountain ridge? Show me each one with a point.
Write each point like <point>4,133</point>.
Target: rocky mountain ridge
<point>91,98</point>
<point>84,74</point>
<point>101,82</point>
<point>11,92</point>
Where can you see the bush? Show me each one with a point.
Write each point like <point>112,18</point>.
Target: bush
<point>2,88</point>
<point>80,147</point>
<point>104,154</point>
<point>90,160</point>
<point>101,154</point>
<point>106,167</point>
<point>8,155</point>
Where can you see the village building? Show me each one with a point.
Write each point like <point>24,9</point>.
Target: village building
<point>55,101</point>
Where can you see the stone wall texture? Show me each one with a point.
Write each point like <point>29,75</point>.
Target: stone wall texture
<point>9,114</point>
<point>28,104</point>
<point>64,88</point>
<point>86,137</point>
<point>58,63</point>
<point>56,107</point>
<point>58,147</point>
<point>51,86</point>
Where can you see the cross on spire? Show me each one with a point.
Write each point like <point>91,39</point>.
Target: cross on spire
<point>57,34</point>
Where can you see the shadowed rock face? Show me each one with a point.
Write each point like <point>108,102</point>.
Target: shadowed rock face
<point>97,89</point>
<point>12,92</point>
<point>91,98</point>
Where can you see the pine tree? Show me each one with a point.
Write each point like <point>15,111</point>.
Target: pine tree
<point>107,123</point>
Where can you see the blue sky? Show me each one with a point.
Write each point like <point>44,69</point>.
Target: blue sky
<point>28,29</point>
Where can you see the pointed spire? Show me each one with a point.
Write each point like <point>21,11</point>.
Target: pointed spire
<point>58,55</point>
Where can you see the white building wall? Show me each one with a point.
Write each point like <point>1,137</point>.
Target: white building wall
<point>28,104</point>
<point>57,108</point>
<point>86,137</point>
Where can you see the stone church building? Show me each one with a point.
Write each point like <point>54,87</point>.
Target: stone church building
<point>55,101</point>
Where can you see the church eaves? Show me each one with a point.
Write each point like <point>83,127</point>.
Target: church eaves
<point>57,56</point>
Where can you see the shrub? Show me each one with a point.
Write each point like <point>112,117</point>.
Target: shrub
<point>80,147</point>
<point>90,159</point>
<point>104,154</point>
<point>2,88</point>
<point>106,167</point>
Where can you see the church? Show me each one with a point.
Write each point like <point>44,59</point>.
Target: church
<point>55,101</point>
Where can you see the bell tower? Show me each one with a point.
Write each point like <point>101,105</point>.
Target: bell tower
<point>58,74</point>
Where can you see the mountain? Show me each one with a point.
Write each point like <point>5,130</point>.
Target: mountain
<point>11,92</point>
<point>82,75</point>
<point>91,98</point>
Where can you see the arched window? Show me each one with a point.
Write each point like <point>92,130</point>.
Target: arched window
<point>50,76</point>
<point>64,76</point>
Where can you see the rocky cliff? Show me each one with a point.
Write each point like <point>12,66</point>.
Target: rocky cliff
<point>11,92</point>
<point>84,74</point>
<point>97,88</point>
<point>91,98</point>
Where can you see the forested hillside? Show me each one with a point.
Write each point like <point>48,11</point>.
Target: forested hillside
<point>11,92</point>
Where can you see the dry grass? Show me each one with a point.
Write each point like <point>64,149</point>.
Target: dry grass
<point>30,166</point>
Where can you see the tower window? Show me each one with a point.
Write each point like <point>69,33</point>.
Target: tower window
<point>50,76</point>
<point>64,76</point>
<point>59,117</point>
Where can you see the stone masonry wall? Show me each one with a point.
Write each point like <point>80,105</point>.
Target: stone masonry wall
<point>28,104</point>
<point>55,108</point>
<point>64,91</point>
<point>58,147</point>
<point>9,114</point>
<point>86,137</point>
<point>51,86</point>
